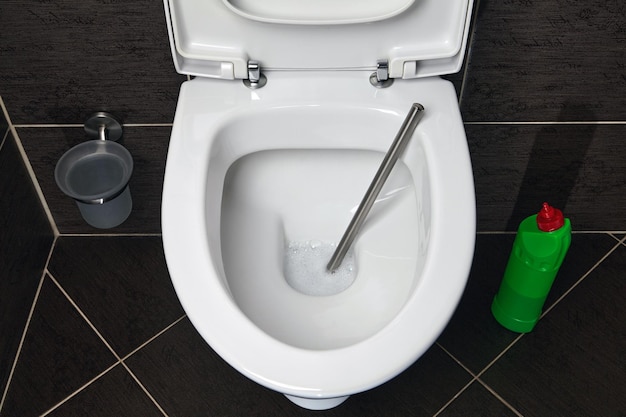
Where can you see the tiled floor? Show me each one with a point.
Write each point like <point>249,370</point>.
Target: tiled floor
<point>107,337</point>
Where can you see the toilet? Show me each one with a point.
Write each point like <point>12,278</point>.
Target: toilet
<point>274,143</point>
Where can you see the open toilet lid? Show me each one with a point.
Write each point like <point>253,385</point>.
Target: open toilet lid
<point>418,38</point>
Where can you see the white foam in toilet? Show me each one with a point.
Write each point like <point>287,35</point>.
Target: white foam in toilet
<point>305,268</point>
<point>274,198</point>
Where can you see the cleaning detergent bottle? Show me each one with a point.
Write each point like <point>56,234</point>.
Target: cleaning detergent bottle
<point>539,249</point>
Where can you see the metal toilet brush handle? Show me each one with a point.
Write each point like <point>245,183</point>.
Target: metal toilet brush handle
<point>397,147</point>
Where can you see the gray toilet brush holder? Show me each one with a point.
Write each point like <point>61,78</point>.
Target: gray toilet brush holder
<point>95,173</point>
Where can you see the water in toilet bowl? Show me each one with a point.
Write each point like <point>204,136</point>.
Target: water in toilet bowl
<point>274,198</point>
<point>305,268</point>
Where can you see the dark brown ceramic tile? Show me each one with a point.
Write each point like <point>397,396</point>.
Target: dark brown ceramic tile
<point>458,77</point>
<point>114,394</point>
<point>60,354</point>
<point>577,168</point>
<point>120,283</point>
<point>25,241</point>
<point>476,401</point>
<point>547,61</point>
<point>63,61</point>
<point>188,378</point>
<point>473,336</point>
<point>4,125</point>
<point>421,390</point>
<point>148,147</point>
<point>573,363</point>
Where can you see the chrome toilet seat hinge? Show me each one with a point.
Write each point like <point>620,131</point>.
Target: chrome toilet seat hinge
<point>380,78</point>
<point>255,78</point>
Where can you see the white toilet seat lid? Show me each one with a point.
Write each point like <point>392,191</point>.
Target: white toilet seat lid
<point>418,38</point>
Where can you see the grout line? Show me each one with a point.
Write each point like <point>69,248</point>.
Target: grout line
<point>110,235</point>
<point>458,394</point>
<point>119,360</point>
<point>74,125</point>
<point>581,232</point>
<point>79,390</point>
<point>574,232</point>
<point>31,172</point>
<point>147,342</point>
<point>145,390</point>
<point>581,279</point>
<point>131,234</point>
<point>474,123</point>
<point>454,397</point>
<point>506,349</point>
<point>474,379</point>
<point>27,325</point>
<point>21,344</point>
<point>456,360</point>
<point>148,124</point>
<point>89,323</point>
<point>46,125</point>
<point>502,400</point>
<point>4,138</point>
<point>622,240</point>
<point>527,122</point>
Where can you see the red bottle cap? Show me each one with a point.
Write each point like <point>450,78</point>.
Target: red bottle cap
<point>549,218</point>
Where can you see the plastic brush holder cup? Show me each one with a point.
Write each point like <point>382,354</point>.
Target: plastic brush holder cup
<point>96,174</point>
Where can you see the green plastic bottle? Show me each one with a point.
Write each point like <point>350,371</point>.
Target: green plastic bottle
<point>538,251</point>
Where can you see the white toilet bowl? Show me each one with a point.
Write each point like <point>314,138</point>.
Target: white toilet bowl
<point>251,171</point>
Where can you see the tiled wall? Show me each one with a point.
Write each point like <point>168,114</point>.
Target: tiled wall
<point>25,242</point>
<point>62,60</point>
<point>543,97</point>
<point>544,101</point>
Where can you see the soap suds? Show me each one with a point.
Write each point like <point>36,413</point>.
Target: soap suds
<point>305,268</point>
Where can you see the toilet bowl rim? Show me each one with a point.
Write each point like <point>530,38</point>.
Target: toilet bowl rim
<point>400,335</point>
